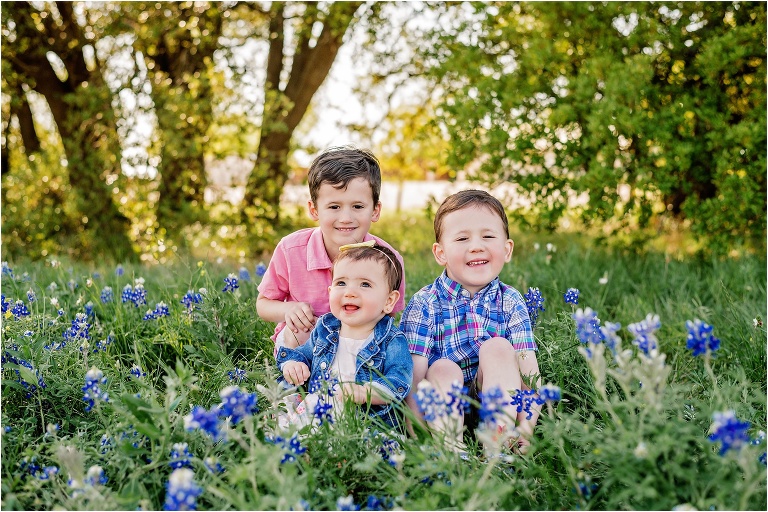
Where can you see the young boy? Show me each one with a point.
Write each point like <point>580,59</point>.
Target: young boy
<point>468,327</point>
<point>344,187</point>
<point>357,342</point>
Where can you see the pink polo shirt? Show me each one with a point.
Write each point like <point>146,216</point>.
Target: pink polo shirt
<point>300,271</point>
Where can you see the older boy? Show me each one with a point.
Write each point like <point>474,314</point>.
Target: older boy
<point>468,327</point>
<point>344,187</point>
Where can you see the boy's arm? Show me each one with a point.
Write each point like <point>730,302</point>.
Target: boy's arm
<point>298,316</point>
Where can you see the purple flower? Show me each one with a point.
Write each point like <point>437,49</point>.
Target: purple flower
<point>644,330</point>
<point>92,390</point>
<point>180,455</point>
<point>728,430</point>
<point>571,296</point>
<point>700,337</point>
<point>19,310</point>
<point>261,269</point>
<point>237,404</point>
<point>207,421</point>
<point>182,491</point>
<point>244,275</point>
<point>535,303</point>
<point>492,403</point>
<point>588,326</point>
<point>550,393</point>
<point>291,447</point>
<point>237,374</point>
<point>230,283</point>
<point>107,295</point>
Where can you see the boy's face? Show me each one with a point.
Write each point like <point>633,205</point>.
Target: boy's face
<point>473,247</point>
<point>359,296</point>
<point>345,215</point>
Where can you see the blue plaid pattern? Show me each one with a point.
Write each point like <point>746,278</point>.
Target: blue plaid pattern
<point>442,322</point>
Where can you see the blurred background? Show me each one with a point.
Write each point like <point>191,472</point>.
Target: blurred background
<point>138,131</point>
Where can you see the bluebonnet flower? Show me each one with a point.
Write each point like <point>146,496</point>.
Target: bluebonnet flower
<point>60,312</point>
<point>47,472</point>
<point>261,269</point>
<point>5,303</point>
<point>92,391</point>
<point>230,283</point>
<point>291,447</point>
<point>586,489</point>
<point>72,284</point>
<point>587,326</point>
<point>180,455</point>
<point>207,421</point>
<point>429,401</point>
<point>29,465</point>
<point>31,297</point>
<point>96,275</point>
<point>101,345</point>
<point>571,296</point>
<point>19,310</point>
<point>322,411</point>
<point>389,449</point>
<point>127,295</point>
<point>492,403</point>
<point>213,465</point>
<point>105,443</point>
<point>244,275</point>
<point>7,270</point>
<point>78,330</point>
<point>456,399</point>
<point>96,476</point>
<point>190,299</point>
<point>523,399</point>
<point>107,295</point>
<point>237,374</point>
<point>161,310</point>
<point>137,372</point>
<point>700,337</point>
<point>30,387</point>
<point>346,503</point>
<point>550,393</point>
<point>375,503</point>
<point>132,435</point>
<point>119,270</point>
<point>325,383</point>
<point>29,334</point>
<point>182,491</point>
<point>728,430</point>
<point>610,338</point>
<point>535,303</point>
<point>51,429</point>
<point>301,505</point>
<point>7,428</point>
<point>237,404</point>
<point>643,331</point>
<point>137,295</point>
<point>88,308</point>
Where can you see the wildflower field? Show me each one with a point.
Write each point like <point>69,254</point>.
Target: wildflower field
<point>135,387</point>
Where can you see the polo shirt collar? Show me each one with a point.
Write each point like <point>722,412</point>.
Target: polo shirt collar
<point>453,290</point>
<point>317,256</point>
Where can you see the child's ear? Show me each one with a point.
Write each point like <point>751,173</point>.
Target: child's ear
<point>509,247</point>
<point>437,250</point>
<point>394,295</point>
<point>312,210</point>
<point>376,212</point>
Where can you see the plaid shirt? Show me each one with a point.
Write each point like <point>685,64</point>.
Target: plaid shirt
<point>442,322</point>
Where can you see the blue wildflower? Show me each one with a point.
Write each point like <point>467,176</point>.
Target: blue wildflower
<point>207,421</point>
<point>492,403</point>
<point>429,401</point>
<point>72,284</point>
<point>78,329</point>
<point>456,399</point>
<point>700,337</point>
<point>346,503</point>
<point>213,465</point>
<point>237,404</point>
<point>107,295</point>
<point>535,303</point>
<point>190,299</point>
<point>31,297</point>
<point>161,310</point>
<point>182,491</point>
<point>571,296</point>
<point>230,283</point>
<point>7,270</point>
<point>137,372</point>
<point>92,390</point>
<point>105,443</point>
<point>324,383</point>
<point>323,412</point>
<point>5,303</point>
<point>644,330</point>
<point>550,393</point>
<point>291,447</point>
<point>127,295</point>
<point>19,310</point>
<point>587,326</point>
<point>101,345</point>
<point>375,503</point>
<point>180,455</point>
<point>261,269</point>
<point>728,430</point>
<point>237,374</point>
<point>96,476</point>
<point>610,338</point>
<point>524,399</point>
<point>244,275</point>
<point>119,270</point>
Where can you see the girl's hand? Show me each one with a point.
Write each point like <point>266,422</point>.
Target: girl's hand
<point>295,372</point>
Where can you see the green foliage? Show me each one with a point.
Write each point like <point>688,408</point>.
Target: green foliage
<point>611,444</point>
<point>653,111</point>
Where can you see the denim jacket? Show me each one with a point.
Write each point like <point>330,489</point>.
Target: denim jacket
<point>384,361</point>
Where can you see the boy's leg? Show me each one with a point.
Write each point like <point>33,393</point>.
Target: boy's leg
<point>442,375</point>
<point>499,368</point>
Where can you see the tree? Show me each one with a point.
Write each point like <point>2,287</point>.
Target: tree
<point>46,49</point>
<point>650,109</point>
<point>317,32</point>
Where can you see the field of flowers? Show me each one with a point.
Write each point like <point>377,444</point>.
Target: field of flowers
<point>130,387</point>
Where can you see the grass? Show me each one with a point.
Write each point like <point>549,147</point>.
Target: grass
<point>625,436</point>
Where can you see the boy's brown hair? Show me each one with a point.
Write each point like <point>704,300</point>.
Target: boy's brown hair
<point>465,199</point>
<point>393,271</point>
<point>337,166</point>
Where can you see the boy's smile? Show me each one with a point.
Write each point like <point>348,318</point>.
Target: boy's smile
<point>345,215</point>
<point>473,247</point>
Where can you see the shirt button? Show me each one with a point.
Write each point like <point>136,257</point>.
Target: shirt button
<point>323,365</point>
<point>283,353</point>
<point>401,389</point>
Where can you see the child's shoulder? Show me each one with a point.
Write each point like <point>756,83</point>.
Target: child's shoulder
<point>427,295</point>
<point>298,238</point>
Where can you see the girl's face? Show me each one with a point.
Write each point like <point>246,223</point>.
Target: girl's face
<point>473,247</point>
<point>360,296</point>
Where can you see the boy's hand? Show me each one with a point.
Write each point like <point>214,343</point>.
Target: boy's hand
<point>295,372</point>
<point>300,317</point>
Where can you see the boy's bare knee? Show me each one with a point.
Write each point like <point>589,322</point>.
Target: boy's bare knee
<point>498,351</point>
<point>444,372</point>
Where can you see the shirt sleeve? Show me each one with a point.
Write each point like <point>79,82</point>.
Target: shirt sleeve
<point>274,283</point>
<point>417,325</point>
<point>518,329</point>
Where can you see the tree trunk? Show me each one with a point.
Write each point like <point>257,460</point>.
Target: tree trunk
<point>82,110</point>
<point>286,105</point>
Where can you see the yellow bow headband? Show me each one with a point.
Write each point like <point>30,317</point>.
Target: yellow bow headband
<point>372,245</point>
